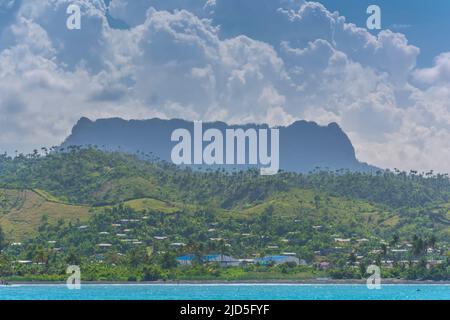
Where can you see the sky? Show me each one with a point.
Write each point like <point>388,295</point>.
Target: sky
<point>239,61</point>
<point>424,22</point>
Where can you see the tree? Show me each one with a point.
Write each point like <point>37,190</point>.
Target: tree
<point>352,259</point>
<point>137,256</point>
<point>418,245</point>
<point>168,261</point>
<point>317,201</point>
<point>395,239</point>
<point>384,249</point>
<point>73,258</point>
<point>152,273</point>
<point>41,255</point>
<point>2,239</point>
<point>432,241</point>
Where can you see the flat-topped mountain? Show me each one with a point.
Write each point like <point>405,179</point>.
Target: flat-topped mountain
<point>304,146</point>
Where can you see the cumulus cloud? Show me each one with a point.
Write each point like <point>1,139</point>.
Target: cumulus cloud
<point>436,75</point>
<point>220,60</point>
<point>134,12</point>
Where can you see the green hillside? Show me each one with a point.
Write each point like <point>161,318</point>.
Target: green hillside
<point>91,207</point>
<point>23,210</point>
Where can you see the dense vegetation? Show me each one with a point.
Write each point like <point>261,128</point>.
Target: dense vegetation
<point>143,214</point>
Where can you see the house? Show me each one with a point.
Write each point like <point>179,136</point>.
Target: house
<point>99,257</point>
<point>277,260</point>
<point>246,261</point>
<point>185,260</point>
<point>178,244</point>
<point>222,260</point>
<point>341,240</point>
<point>399,250</point>
<point>302,262</point>
<point>105,245</point>
<point>129,240</point>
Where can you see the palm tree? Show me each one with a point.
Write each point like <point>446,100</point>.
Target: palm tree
<point>352,259</point>
<point>432,241</point>
<point>395,239</point>
<point>384,249</point>
<point>432,244</point>
<point>2,239</point>
<point>223,248</point>
<point>418,245</point>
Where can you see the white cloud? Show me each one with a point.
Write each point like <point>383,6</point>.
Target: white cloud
<point>222,60</point>
<point>181,51</point>
<point>134,12</point>
<point>438,74</point>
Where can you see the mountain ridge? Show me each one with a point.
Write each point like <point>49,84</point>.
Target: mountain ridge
<point>304,146</point>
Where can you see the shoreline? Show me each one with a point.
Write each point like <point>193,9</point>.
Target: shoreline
<point>242,282</point>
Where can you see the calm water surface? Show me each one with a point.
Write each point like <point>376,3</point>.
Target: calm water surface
<point>224,292</point>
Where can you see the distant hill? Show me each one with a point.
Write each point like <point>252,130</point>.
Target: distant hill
<point>21,212</point>
<point>117,216</point>
<point>304,146</point>
<point>77,184</point>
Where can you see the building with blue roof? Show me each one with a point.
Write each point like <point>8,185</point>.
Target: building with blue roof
<point>186,260</point>
<point>277,260</point>
<point>222,260</point>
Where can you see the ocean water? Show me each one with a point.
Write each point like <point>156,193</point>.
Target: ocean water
<point>225,292</point>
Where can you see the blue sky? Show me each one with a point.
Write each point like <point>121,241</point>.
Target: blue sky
<point>426,23</point>
<point>238,61</point>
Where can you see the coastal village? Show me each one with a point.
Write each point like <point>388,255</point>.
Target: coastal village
<point>124,234</point>
<point>182,224</point>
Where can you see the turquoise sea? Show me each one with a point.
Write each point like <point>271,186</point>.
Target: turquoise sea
<point>225,292</point>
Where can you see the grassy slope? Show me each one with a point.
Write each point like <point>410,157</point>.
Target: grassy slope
<point>103,179</point>
<point>22,212</point>
<point>26,208</point>
<point>341,213</point>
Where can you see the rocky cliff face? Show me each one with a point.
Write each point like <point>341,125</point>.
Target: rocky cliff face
<point>304,146</point>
